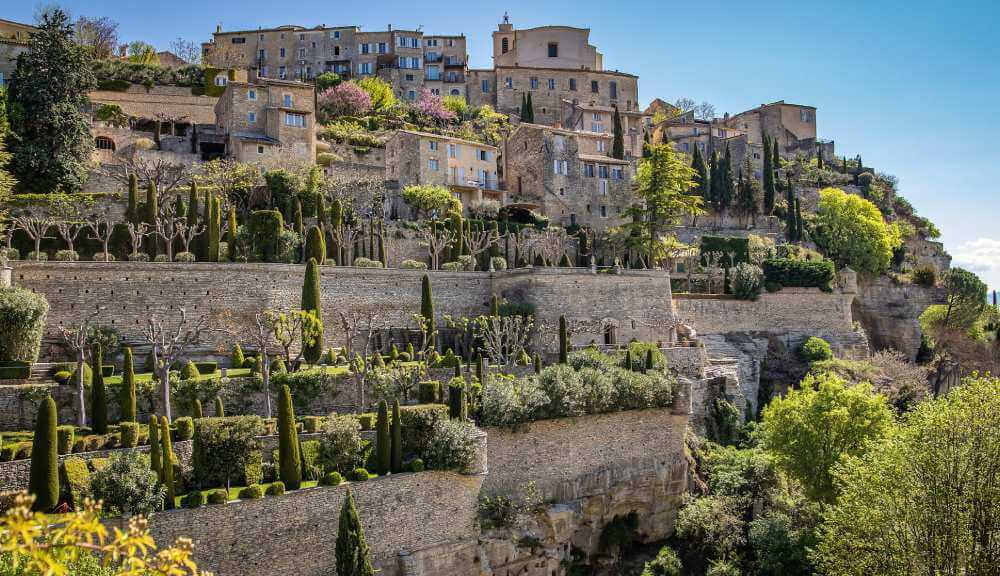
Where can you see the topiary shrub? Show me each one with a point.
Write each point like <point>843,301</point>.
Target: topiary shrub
<point>252,492</point>
<point>185,257</point>
<point>416,465</point>
<point>815,349</point>
<point>161,258</point>
<point>37,256</point>
<point>451,446</point>
<point>62,377</point>
<point>65,437</point>
<point>218,496</point>
<point>22,318</point>
<point>312,424</point>
<point>413,265</point>
<point>362,262</point>
<point>66,256</point>
<point>206,368</point>
<point>498,263</point>
<point>189,371</point>
<point>800,273</point>
<point>358,475</point>
<point>226,450</point>
<point>428,391</point>
<point>77,476</point>
<point>104,257</point>
<point>366,420</point>
<point>129,432</point>
<point>276,488</point>
<point>43,480</point>
<point>745,281</point>
<point>331,479</point>
<point>184,427</point>
<point>194,499</point>
<point>453,266</point>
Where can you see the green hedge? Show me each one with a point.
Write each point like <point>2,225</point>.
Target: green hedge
<point>418,425</point>
<point>77,477</point>
<point>800,273</point>
<point>226,449</point>
<point>15,370</point>
<point>22,317</point>
<point>206,367</point>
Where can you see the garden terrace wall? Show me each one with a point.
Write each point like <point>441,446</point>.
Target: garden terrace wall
<point>790,309</point>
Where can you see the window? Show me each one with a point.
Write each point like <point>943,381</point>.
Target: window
<point>239,40</point>
<point>614,90</point>
<point>534,83</point>
<point>287,100</point>
<point>504,45</point>
<point>486,86</point>
<point>432,164</point>
<point>617,173</point>
<point>252,94</point>
<point>365,68</point>
<point>594,86</point>
<point>364,48</point>
<point>596,116</point>
<point>336,50</point>
<point>602,146</point>
<point>588,170</point>
<point>251,117</point>
<point>596,127</point>
<point>302,52</point>
<point>483,155</point>
<point>411,95</point>
<point>508,82</point>
<point>553,49</point>
<point>336,34</point>
<point>262,54</point>
<point>414,43</point>
<point>552,83</point>
<point>804,116</point>
<point>383,48</point>
<point>281,72</point>
<point>604,211</point>
<point>685,146</point>
<point>295,120</point>
<point>431,42</point>
<point>302,36</point>
<point>104,143</point>
<point>415,63</point>
<point>456,92</point>
<point>433,145</point>
<point>281,52</point>
<point>452,150</point>
<point>260,149</point>
<point>603,187</point>
<point>409,77</point>
<point>560,167</point>
<point>221,80</point>
<point>572,84</point>
<point>602,171</point>
<point>756,155</point>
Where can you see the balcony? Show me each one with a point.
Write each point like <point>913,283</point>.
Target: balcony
<point>453,62</point>
<point>489,183</point>
<point>432,57</point>
<point>455,78</point>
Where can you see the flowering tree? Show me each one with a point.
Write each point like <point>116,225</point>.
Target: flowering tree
<point>431,105</point>
<point>345,99</point>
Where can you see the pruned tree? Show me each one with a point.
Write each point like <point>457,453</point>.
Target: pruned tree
<point>77,338</point>
<point>164,174</point>
<point>295,327</point>
<point>478,241</point>
<point>136,232</point>
<point>187,232</point>
<point>186,50</point>
<point>68,231</point>
<point>167,228</point>
<point>101,229</point>
<point>35,223</point>
<point>436,240</point>
<point>521,241</point>
<point>170,344</point>
<point>360,326</point>
<point>504,338</point>
<point>98,34</point>
<point>235,181</point>
<point>551,243</point>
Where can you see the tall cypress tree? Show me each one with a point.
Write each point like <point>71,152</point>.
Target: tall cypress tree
<point>167,463</point>
<point>427,309</point>
<point>336,222</point>
<point>155,459</point>
<point>311,301</point>
<point>768,177</point>
<point>714,182</point>
<point>128,399</point>
<point>618,140</point>
<point>799,235</point>
<point>397,438</point>
<point>701,180</point>
<point>192,207</point>
<point>152,210</point>
<point>98,392</point>
<point>214,228</point>
<point>232,230</point>
<point>289,457</point>
<point>315,245</point>
<point>383,441</point>
<point>352,550</point>
<point>43,477</point>
<point>530,110</point>
<point>220,409</point>
<point>133,199</point>
<point>727,190</point>
<point>563,341</point>
<point>524,107</point>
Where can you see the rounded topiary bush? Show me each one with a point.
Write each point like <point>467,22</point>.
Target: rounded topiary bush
<point>67,256</point>
<point>62,377</point>
<point>11,253</point>
<point>37,256</point>
<point>195,499</point>
<point>276,488</point>
<point>413,265</point>
<point>138,257</point>
<point>453,266</point>
<point>332,479</point>
<point>102,257</point>
<point>185,257</point>
<point>367,263</point>
<point>185,428</point>
<point>129,432</point>
<point>745,281</point>
<point>252,492</point>
<point>498,263</point>
<point>22,317</point>
<point>189,371</point>
<point>358,475</point>
<point>416,465</point>
<point>815,349</point>
<point>161,258</point>
<point>218,496</point>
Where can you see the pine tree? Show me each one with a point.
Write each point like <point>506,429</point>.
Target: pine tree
<point>311,301</point>
<point>128,398</point>
<point>397,438</point>
<point>155,459</point>
<point>427,309</point>
<point>563,341</point>
<point>618,141</point>
<point>133,198</point>
<point>315,245</point>
<point>701,180</point>
<point>98,392</point>
<point>352,550</point>
<point>231,230</point>
<point>167,463</point>
<point>289,457</point>
<point>43,477</point>
<point>152,211</point>
<point>383,446</point>
<point>220,409</point>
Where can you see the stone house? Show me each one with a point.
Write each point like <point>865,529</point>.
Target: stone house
<point>793,125</point>
<point>600,120</point>
<point>569,176</point>
<point>686,133</point>
<point>467,168</point>
<point>13,42</point>
<point>267,121</point>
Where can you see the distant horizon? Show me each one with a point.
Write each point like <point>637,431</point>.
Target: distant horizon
<point>900,84</point>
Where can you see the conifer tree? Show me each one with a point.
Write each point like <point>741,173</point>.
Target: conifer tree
<point>167,463</point>
<point>155,458</point>
<point>382,256</point>
<point>531,110</point>
<point>220,409</point>
<point>315,245</point>
<point>427,309</point>
<point>397,438</point>
<point>524,107</point>
<point>311,302</point>
<point>714,182</point>
<point>748,192</point>
<point>563,341</point>
<point>768,177</point>
<point>43,477</point>
<point>289,457</point>
<point>799,230</point>
<point>336,222</point>
<point>628,359</point>
<point>128,398</point>
<point>819,157</point>
<point>196,409</point>
<point>231,230</point>
<point>494,305</point>
<point>133,198</point>
<point>352,550</point>
<point>299,226</point>
<point>536,360</point>
<point>701,180</point>
<point>383,447</point>
<point>192,207</point>
<point>649,360</point>
<point>152,211</point>
<point>320,212</point>
<point>618,140</point>
<point>727,189</point>
<point>214,228</point>
<point>98,392</point>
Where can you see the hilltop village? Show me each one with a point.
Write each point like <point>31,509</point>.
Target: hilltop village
<point>323,300</point>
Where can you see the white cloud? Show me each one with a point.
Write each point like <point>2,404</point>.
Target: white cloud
<point>981,256</point>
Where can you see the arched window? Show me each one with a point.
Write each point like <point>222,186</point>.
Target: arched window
<point>104,143</point>
<point>504,45</point>
<point>455,92</point>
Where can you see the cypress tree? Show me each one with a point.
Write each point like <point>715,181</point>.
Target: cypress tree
<point>564,261</point>
<point>382,256</point>
<point>128,399</point>
<point>167,463</point>
<point>819,157</point>
<point>531,110</point>
<point>524,105</point>
<point>352,550</point>
<point>231,230</point>
<point>371,240</point>
<point>299,226</point>
<point>336,222</point>
<point>494,305</point>
<point>315,245</point>
<point>790,211</point>
<point>196,409</point>
<point>649,361</point>
<point>536,360</point>
<point>214,226</point>
<point>397,438</point>
<point>714,182</point>
<point>563,341</point>
<point>618,140</point>
<point>456,402</point>
<point>43,478</point>
<point>152,210</point>
<point>133,199</point>
<point>727,190</point>
<point>220,410</point>
<point>321,211</point>
<point>192,207</point>
<point>289,457</point>
<point>456,226</point>
<point>311,301</point>
<point>799,236</point>
<point>98,392</point>
<point>206,219</point>
<point>427,309</point>
<point>701,180</point>
<point>383,446</point>
<point>628,359</point>
<point>155,460</point>
<point>768,177</point>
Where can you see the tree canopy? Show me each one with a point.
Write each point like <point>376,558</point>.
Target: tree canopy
<point>851,231</point>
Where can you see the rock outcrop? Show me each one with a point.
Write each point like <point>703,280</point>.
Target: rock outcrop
<point>889,313</point>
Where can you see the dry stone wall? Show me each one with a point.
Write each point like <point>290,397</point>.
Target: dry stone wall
<point>801,309</point>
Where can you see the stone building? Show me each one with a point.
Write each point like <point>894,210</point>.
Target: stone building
<point>467,168</point>
<point>267,121</point>
<point>601,120</point>
<point>567,175</point>
<point>407,59</point>
<point>13,42</point>
<point>686,133</point>
<point>793,125</point>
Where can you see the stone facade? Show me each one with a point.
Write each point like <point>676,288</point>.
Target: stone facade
<point>545,47</point>
<point>569,176</point>
<point>596,119</point>
<point>550,86</point>
<point>793,125</point>
<point>13,42</point>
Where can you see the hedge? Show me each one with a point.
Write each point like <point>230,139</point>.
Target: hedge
<point>65,439</point>
<point>22,317</point>
<point>77,477</point>
<point>15,370</point>
<point>800,273</point>
<point>252,492</point>
<point>206,367</point>
<point>418,425</point>
<point>226,449</point>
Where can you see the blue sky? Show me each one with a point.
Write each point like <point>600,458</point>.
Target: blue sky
<point>911,86</point>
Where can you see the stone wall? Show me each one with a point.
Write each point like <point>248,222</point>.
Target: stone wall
<point>790,309</point>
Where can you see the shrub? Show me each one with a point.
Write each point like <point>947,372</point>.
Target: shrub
<point>362,262</point>
<point>418,425</point>
<point>925,276</point>
<point>62,377</point>
<point>413,265</point>
<point>416,465</point>
<point>37,256</point>
<point>428,391</point>
<point>22,317</point>
<point>138,257</point>
<point>451,446</point>
<point>43,480</point>
<point>276,488</point>
<point>341,449</point>
<point>161,258</point>
<point>226,450</point>
<point>366,421</point>
<point>127,485</point>
<point>499,263</point>
<point>307,385</point>
<point>65,436</point>
<point>815,349</point>
<point>453,266</point>
<point>666,563</point>
<point>218,496</point>
<point>562,387</point>
<point>189,371</point>
<point>15,371</point>
<point>77,476</point>
<point>104,257</point>
<point>66,256</point>
<point>252,492</point>
<point>289,457</point>
<point>129,434</point>
<point>312,424</point>
<point>745,281</point>
<point>332,479</point>
<point>262,235</point>
<point>510,402</point>
<point>185,257</point>
<point>194,499</point>
<point>325,158</point>
<point>383,447</point>
<point>800,273</point>
<point>184,427</point>
<point>358,475</point>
